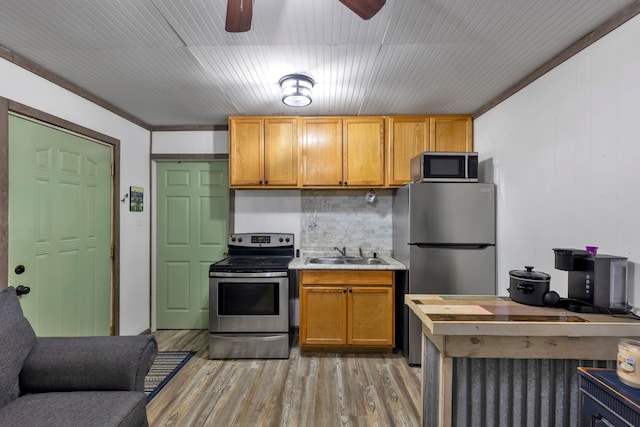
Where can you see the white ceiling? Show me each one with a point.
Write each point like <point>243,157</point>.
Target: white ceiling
<point>171,63</point>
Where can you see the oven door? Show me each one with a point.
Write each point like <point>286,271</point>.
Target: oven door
<point>248,302</point>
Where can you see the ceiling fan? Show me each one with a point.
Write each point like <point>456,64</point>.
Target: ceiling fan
<point>240,12</point>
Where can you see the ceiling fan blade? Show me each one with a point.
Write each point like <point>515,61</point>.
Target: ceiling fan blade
<point>239,13</point>
<point>365,9</point>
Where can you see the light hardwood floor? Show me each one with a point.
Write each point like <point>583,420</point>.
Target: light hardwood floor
<point>305,390</point>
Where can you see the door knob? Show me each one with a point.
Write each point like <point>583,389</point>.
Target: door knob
<point>19,269</point>
<point>22,290</point>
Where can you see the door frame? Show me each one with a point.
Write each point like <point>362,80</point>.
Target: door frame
<point>7,106</point>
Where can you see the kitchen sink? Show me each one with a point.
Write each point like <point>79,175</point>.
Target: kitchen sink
<point>347,260</point>
<point>366,261</point>
<point>325,260</point>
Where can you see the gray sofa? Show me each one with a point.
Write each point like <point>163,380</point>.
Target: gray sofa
<point>71,381</point>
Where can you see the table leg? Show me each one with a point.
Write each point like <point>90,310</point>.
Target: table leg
<point>437,386</point>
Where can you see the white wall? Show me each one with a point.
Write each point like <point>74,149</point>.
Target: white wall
<point>275,211</point>
<point>190,142</point>
<point>22,86</point>
<point>565,155</point>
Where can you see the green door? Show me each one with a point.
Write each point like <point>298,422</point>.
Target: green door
<point>60,228</point>
<point>192,201</point>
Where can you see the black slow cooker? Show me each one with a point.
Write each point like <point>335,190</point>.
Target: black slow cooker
<point>528,286</point>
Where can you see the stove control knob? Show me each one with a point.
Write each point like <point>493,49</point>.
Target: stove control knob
<point>287,240</point>
<point>281,240</point>
<point>239,239</point>
<point>233,239</point>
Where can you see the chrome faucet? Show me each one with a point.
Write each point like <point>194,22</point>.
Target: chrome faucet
<point>343,252</point>
<point>360,251</point>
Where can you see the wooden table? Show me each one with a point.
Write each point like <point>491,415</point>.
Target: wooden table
<point>487,360</point>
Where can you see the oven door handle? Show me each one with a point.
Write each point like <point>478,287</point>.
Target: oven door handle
<point>249,336</point>
<point>255,274</point>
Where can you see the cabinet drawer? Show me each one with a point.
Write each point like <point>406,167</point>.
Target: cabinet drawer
<point>342,277</point>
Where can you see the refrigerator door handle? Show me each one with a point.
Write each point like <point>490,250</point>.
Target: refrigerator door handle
<point>470,246</point>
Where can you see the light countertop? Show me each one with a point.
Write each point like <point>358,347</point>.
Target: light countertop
<point>301,264</point>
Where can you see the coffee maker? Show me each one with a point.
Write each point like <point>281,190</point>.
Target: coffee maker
<point>597,283</point>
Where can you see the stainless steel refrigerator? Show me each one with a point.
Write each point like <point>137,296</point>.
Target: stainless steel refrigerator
<point>445,233</point>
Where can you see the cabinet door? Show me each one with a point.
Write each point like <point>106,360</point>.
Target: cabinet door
<point>363,145</point>
<point>451,133</point>
<point>246,164</point>
<point>323,315</point>
<point>406,138</point>
<point>281,151</point>
<point>370,316</point>
<point>322,152</point>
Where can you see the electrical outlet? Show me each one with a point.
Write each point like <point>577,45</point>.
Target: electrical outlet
<point>325,205</point>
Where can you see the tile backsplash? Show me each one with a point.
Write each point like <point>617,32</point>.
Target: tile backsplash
<point>344,218</point>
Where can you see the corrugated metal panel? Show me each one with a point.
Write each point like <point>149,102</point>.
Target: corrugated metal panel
<point>505,392</point>
<point>518,393</point>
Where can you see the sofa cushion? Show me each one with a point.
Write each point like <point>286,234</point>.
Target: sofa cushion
<point>17,338</point>
<point>88,363</point>
<point>77,408</point>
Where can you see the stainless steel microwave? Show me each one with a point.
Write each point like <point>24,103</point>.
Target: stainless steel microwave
<point>434,166</point>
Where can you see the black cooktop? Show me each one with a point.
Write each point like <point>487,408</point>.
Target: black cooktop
<point>252,263</point>
<point>257,252</point>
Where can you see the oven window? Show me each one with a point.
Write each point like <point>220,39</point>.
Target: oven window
<point>249,299</point>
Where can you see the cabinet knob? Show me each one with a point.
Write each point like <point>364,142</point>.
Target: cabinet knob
<point>345,183</point>
<point>340,182</point>
<point>350,290</point>
<point>344,291</point>
<point>266,182</point>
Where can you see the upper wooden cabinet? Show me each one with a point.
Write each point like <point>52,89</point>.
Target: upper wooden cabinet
<point>281,148</point>
<point>263,152</point>
<point>246,145</point>
<point>406,138</point>
<point>339,152</point>
<point>363,148</point>
<point>451,133</point>
<point>321,151</point>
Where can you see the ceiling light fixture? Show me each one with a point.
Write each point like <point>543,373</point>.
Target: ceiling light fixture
<point>296,90</point>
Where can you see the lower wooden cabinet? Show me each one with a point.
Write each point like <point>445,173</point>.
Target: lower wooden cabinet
<point>346,308</point>
<point>323,315</point>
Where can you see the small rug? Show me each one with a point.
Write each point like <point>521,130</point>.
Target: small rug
<point>165,366</point>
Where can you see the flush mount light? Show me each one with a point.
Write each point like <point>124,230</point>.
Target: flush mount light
<point>296,90</point>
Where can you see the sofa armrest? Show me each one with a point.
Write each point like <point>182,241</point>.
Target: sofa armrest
<point>88,363</point>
